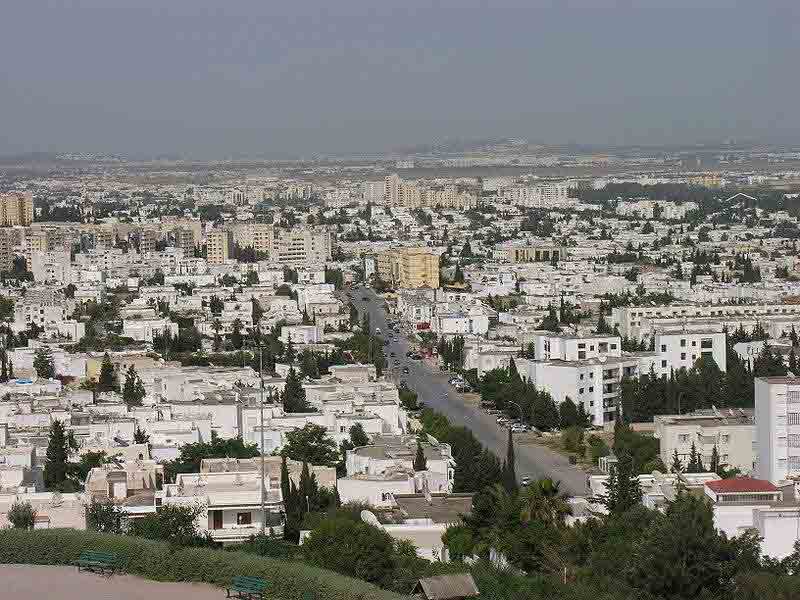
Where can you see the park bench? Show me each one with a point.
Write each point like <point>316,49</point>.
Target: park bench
<point>93,560</point>
<point>247,588</point>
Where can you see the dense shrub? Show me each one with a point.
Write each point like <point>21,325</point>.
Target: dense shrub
<point>159,561</point>
<point>21,515</point>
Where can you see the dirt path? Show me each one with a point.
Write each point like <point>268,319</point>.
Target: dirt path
<point>34,582</point>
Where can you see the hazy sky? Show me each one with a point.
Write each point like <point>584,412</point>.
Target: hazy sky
<point>213,78</point>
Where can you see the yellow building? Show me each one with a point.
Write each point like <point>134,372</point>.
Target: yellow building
<point>16,208</point>
<point>219,244</point>
<point>409,268</point>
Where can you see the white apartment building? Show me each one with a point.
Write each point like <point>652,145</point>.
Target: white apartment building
<point>301,334</point>
<point>540,195</point>
<point>777,418</point>
<point>656,209</point>
<point>594,383</point>
<point>732,432</point>
<point>680,349</point>
<point>635,321</point>
<point>561,346</point>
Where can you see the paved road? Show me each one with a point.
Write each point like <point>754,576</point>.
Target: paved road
<point>433,389</point>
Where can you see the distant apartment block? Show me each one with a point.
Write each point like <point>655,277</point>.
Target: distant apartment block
<point>409,268</point>
<point>16,208</point>
<point>219,246</point>
<point>533,252</point>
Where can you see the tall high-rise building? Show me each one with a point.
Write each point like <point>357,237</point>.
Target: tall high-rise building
<point>301,246</point>
<point>219,246</point>
<point>6,255</point>
<point>409,268</point>
<point>16,208</point>
<point>147,241</point>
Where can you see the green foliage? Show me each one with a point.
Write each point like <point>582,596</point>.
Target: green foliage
<point>293,395</point>
<point>21,515</point>
<point>623,491</point>
<point>43,363</point>
<point>191,455</point>
<point>568,413</point>
<point>359,549</point>
<point>165,562</point>
<point>408,398</point>
<point>420,462</point>
<point>311,444</point>
<point>597,448</point>
<point>133,391</point>
<point>56,468</point>
<point>476,466</point>
<point>108,379</point>
<point>105,517</point>
<point>358,437</point>
<point>173,523</point>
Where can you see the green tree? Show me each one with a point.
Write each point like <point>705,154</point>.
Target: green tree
<point>237,339</point>
<point>140,437</point>
<point>108,379</point>
<point>677,465</point>
<point>544,501</point>
<point>420,462</point>
<point>173,523</point>
<point>352,548</point>
<point>510,469</point>
<point>311,444</point>
<point>358,437</point>
<point>104,516</point>
<point>568,413</point>
<point>43,363</point>
<point>293,395</point>
<point>714,466</point>
<point>133,391</point>
<point>683,556</point>
<point>191,455</point>
<point>56,461</point>
<point>623,491</point>
<point>21,515</point>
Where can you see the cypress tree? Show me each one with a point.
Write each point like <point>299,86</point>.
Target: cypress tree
<point>623,486</point>
<point>420,462</point>
<point>107,380</point>
<point>714,466</point>
<point>509,469</point>
<point>293,395</point>
<point>677,465</point>
<point>55,466</point>
<point>284,480</point>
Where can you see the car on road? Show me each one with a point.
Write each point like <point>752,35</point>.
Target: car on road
<point>392,354</point>
<point>526,480</point>
<point>364,299</point>
<point>416,357</point>
<point>405,370</point>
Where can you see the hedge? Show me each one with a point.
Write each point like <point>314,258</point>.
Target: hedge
<point>289,580</point>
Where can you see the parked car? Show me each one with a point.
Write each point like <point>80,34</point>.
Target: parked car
<point>526,480</point>
<point>405,370</point>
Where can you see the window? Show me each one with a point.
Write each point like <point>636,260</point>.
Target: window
<point>706,344</point>
<point>581,354</point>
<point>683,343</point>
<point>580,391</point>
<point>582,346</point>
<point>683,355</point>
<point>591,403</point>
<point>663,364</point>
<point>244,518</point>
<point>591,388</point>
<point>794,418</point>
<point>581,376</point>
<point>663,347</point>
<point>694,343</point>
<point>613,346</point>
<point>726,439</point>
<point>683,438</point>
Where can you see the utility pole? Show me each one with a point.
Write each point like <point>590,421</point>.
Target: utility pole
<point>263,486</point>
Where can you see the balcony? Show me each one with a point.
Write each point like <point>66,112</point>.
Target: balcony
<point>240,533</point>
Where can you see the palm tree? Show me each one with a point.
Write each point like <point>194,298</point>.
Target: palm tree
<point>544,501</point>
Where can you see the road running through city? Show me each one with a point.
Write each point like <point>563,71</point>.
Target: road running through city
<point>433,389</point>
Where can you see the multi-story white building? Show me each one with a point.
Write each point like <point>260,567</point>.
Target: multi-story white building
<point>680,349</point>
<point>553,194</point>
<point>777,417</point>
<point>594,383</point>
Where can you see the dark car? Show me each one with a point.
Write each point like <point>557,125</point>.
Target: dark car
<point>364,299</point>
<point>405,370</point>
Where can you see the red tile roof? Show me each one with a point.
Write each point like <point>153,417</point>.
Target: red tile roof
<point>740,484</point>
